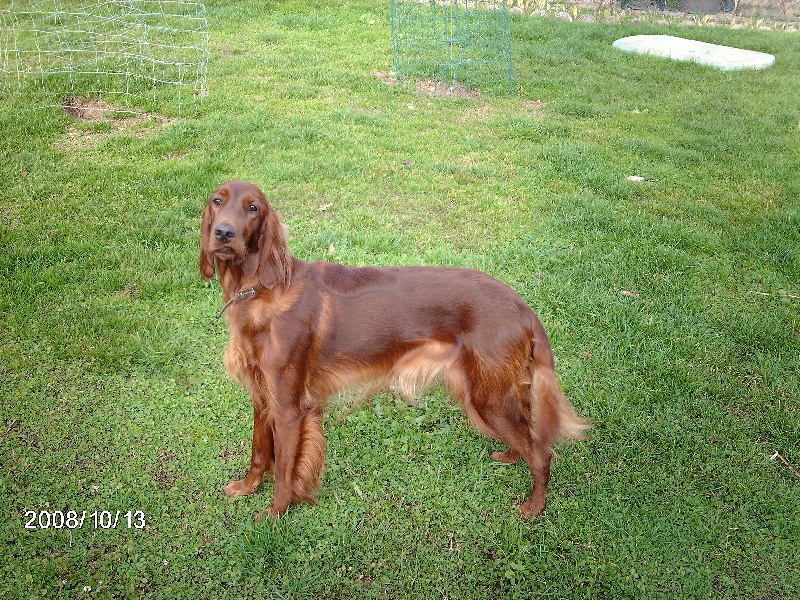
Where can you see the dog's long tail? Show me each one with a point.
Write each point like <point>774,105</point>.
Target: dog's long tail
<point>552,411</point>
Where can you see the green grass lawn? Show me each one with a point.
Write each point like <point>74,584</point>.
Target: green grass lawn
<point>673,304</point>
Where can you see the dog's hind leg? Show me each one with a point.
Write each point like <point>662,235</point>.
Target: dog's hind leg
<point>501,405</point>
<point>509,457</point>
<point>538,460</point>
<point>513,429</point>
<point>500,417</point>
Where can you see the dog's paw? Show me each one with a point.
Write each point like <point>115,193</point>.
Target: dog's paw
<point>265,515</point>
<point>271,514</point>
<point>241,487</point>
<point>508,457</point>
<point>532,508</point>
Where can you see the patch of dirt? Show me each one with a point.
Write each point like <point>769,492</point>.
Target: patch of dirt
<point>431,87</point>
<point>534,107</point>
<point>88,108</point>
<point>437,89</point>
<point>98,121</point>
<point>234,450</point>
<point>479,110</point>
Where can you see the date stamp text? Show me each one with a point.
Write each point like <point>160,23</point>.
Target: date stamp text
<point>78,519</point>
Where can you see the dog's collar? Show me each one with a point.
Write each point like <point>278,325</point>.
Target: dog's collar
<point>244,294</point>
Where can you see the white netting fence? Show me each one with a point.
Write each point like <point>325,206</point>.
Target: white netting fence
<point>130,54</point>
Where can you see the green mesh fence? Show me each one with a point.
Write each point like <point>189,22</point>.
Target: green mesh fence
<point>465,42</point>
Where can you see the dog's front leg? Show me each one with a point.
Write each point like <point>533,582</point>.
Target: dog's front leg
<point>299,454</point>
<point>262,455</point>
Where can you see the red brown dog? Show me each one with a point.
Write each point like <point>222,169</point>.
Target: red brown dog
<point>301,331</point>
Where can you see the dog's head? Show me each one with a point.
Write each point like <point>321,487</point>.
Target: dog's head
<point>238,223</point>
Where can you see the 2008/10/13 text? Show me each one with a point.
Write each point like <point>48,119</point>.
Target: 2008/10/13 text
<point>73,519</point>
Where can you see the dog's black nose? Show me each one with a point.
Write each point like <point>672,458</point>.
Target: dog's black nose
<point>224,233</point>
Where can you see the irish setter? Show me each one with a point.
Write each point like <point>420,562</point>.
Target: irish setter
<point>301,331</point>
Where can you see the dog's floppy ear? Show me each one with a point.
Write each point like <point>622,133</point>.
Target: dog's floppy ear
<point>275,258</point>
<point>206,258</point>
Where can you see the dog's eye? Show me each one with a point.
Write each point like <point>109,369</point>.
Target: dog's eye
<point>217,202</point>
<point>252,208</point>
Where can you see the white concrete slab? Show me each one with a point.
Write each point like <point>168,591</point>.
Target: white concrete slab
<point>722,57</point>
